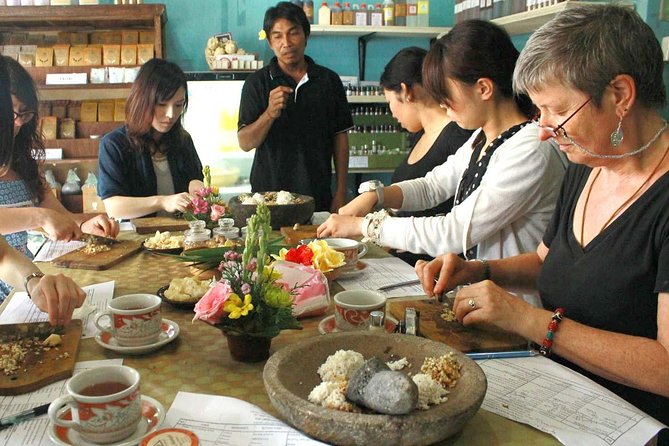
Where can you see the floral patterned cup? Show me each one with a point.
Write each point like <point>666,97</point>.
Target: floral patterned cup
<point>352,308</point>
<point>135,319</point>
<point>104,404</point>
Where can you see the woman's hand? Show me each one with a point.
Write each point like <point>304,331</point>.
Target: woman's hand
<point>445,273</point>
<point>360,205</point>
<point>486,304</point>
<point>176,203</point>
<point>56,295</point>
<point>340,226</point>
<point>101,225</point>
<point>59,226</point>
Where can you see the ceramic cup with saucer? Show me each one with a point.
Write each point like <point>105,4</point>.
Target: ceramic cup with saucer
<point>327,325</point>
<point>352,250</point>
<point>153,415</point>
<point>352,308</point>
<point>104,401</point>
<point>134,319</point>
<point>169,331</point>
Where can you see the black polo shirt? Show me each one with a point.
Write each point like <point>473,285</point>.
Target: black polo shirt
<point>297,154</point>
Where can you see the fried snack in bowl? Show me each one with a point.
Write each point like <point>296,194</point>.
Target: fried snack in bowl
<point>164,241</point>
<point>187,290</point>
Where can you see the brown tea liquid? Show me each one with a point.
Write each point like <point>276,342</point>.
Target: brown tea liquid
<point>104,388</point>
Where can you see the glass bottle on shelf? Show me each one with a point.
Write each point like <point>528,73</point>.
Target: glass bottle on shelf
<point>197,236</point>
<point>308,7</point>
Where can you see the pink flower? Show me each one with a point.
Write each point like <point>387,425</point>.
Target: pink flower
<point>217,211</point>
<point>246,288</point>
<point>210,307</point>
<point>204,192</point>
<point>199,206</point>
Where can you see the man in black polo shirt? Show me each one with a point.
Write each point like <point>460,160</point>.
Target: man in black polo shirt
<point>296,114</point>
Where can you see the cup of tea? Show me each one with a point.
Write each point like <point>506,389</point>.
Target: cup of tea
<point>105,404</point>
<point>352,250</point>
<point>353,308</point>
<point>134,319</point>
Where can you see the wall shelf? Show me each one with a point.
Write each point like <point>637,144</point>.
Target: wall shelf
<point>528,21</point>
<point>374,99</point>
<point>379,31</point>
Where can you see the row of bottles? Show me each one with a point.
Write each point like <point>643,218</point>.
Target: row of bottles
<point>378,128</point>
<point>72,185</point>
<point>198,236</point>
<point>374,110</point>
<point>364,90</point>
<point>388,13</point>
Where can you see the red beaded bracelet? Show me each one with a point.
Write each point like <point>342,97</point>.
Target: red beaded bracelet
<point>553,325</point>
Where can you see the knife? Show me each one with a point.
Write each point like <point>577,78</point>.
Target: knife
<point>97,240</point>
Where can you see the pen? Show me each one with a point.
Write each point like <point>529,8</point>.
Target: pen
<point>502,355</point>
<point>9,421</point>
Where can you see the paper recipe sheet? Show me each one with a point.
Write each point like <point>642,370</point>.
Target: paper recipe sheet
<point>563,403</point>
<point>383,272</point>
<point>34,432</point>
<point>21,309</point>
<point>223,421</point>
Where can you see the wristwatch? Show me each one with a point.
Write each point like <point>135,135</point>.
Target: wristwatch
<point>373,186</point>
<point>30,277</point>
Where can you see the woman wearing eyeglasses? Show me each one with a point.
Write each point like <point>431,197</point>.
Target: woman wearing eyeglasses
<point>24,196</point>
<point>505,181</point>
<point>150,165</point>
<point>602,270</point>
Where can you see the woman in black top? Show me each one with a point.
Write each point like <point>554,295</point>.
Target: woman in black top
<point>435,137</point>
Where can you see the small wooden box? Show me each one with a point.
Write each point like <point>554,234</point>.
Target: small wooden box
<point>93,55</point>
<point>44,57</point>
<point>144,53</point>
<point>49,125</point>
<point>89,111</point>
<point>128,54</point>
<point>76,58</point>
<point>111,54</point>
<point>66,129</point>
<point>61,55</point>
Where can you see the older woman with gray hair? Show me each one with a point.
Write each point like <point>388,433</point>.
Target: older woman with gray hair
<point>602,270</point>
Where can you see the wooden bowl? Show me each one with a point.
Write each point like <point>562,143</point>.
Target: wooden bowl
<point>290,374</point>
<point>281,214</point>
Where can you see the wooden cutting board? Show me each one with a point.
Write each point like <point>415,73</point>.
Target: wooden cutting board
<point>149,225</point>
<point>293,236</point>
<point>40,367</point>
<point>100,261</point>
<point>454,334</point>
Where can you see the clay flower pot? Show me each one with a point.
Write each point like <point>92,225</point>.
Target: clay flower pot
<point>245,348</point>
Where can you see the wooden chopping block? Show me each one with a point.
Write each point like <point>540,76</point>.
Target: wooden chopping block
<point>149,225</point>
<point>101,260</point>
<point>454,334</point>
<point>40,367</point>
<point>293,236</point>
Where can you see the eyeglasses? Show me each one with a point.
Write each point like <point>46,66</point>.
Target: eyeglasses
<point>25,116</point>
<point>559,131</point>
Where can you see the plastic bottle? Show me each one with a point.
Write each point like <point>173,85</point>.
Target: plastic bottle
<point>336,14</point>
<point>400,12</point>
<point>72,184</point>
<point>53,183</point>
<point>197,236</point>
<point>308,7</point>
<point>376,16</point>
<point>412,12</point>
<point>348,15</point>
<point>360,15</point>
<point>324,14</point>
<point>423,16</point>
<point>388,13</point>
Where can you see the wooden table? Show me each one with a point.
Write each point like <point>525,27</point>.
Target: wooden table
<point>198,361</point>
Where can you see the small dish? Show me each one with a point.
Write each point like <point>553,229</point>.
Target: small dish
<point>327,325</point>
<point>153,414</point>
<point>164,250</point>
<point>175,303</point>
<point>359,268</point>
<point>169,332</point>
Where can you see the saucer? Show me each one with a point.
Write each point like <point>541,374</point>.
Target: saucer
<point>169,332</point>
<point>327,325</point>
<point>153,414</point>
<point>359,267</point>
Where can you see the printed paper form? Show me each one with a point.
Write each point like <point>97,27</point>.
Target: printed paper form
<point>34,432</point>
<point>52,249</point>
<point>563,403</point>
<point>383,272</point>
<point>224,421</point>
<point>21,309</point>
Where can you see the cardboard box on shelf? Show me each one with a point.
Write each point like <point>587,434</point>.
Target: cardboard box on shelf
<point>44,57</point>
<point>27,59</point>
<point>93,55</point>
<point>49,127</point>
<point>129,37</point>
<point>89,111</point>
<point>128,54</point>
<point>79,38</point>
<point>91,201</point>
<point>146,37</point>
<point>111,54</point>
<point>119,110</point>
<point>144,53</point>
<point>66,129</point>
<point>106,111</point>
<point>61,55</point>
<point>76,58</point>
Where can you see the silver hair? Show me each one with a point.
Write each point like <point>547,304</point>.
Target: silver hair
<point>585,47</point>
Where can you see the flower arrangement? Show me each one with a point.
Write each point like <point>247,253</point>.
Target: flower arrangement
<point>207,205</point>
<point>248,300</point>
<point>317,254</point>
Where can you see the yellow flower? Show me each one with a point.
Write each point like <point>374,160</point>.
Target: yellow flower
<point>325,258</point>
<point>214,189</point>
<point>262,35</point>
<point>278,297</point>
<point>236,308</point>
<point>271,273</point>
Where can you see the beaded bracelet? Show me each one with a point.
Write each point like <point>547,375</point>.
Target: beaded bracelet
<point>553,325</point>
<point>371,226</point>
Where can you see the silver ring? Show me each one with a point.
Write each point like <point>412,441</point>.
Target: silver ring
<point>472,303</point>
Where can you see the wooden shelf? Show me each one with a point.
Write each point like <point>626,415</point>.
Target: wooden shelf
<point>75,148</point>
<point>83,92</point>
<point>366,99</point>
<point>378,31</point>
<point>528,21</point>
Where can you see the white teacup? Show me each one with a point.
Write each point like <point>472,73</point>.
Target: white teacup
<point>352,250</point>
<point>134,319</point>
<point>353,308</point>
<point>105,404</point>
